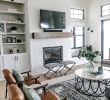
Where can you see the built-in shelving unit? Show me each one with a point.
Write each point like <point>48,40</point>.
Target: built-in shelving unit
<point>13,35</point>
<point>12,15</point>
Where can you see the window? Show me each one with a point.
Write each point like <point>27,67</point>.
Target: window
<point>105,10</point>
<point>78,37</point>
<point>77,13</point>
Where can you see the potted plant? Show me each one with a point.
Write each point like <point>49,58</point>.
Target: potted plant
<point>89,55</point>
<point>13,29</point>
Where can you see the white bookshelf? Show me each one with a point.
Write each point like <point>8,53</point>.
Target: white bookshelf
<point>13,42</point>
<point>12,14</point>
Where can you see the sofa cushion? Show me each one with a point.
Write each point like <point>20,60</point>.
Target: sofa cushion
<point>30,94</point>
<point>17,75</point>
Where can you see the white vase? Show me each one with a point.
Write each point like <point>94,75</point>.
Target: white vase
<point>13,31</point>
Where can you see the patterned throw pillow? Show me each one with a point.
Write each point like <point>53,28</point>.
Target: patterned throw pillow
<point>30,94</point>
<point>17,75</point>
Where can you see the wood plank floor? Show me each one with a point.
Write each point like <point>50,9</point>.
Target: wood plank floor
<point>2,90</point>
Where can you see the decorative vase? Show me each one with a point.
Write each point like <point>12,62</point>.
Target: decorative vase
<point>92,68</point>
<point>90,65</point>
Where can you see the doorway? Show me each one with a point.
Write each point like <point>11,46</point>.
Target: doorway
<point>106,39</point>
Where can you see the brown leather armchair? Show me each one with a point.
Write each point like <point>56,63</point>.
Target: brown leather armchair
<point>15,93</point>
<point>14,88</point>
<point>28,80</point>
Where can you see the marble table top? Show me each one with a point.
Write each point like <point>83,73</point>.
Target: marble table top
<point>84,73</point>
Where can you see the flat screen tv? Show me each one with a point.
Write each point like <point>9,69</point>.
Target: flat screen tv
<point>52,19</point>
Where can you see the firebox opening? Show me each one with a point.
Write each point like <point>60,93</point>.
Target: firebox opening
<point>52,54</point>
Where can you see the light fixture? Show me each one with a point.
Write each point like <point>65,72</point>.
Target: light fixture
<point>89,29</point>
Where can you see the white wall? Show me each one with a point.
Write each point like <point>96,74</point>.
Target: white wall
<point>94,20</point>
<point>56,5</point>
<point>34,7</point>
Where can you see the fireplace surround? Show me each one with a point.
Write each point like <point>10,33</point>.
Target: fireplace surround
<point>52,54</point>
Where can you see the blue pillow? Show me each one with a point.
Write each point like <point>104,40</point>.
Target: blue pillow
<point>30,94</point>
<point>17,75</point>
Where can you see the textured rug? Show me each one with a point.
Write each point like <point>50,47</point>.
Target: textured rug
<point>66,89</point>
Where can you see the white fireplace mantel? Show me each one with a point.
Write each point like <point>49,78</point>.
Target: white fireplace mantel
<point>37,45</point>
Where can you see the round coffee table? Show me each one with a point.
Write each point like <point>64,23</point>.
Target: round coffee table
<point>92,84</point>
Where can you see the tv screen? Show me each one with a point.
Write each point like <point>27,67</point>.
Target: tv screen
<point>52,19</point>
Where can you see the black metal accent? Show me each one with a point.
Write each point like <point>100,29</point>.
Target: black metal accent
<point>86,86</point>
<point>53,30</point>
<point>102,39</point>
<point>33,35</point>
<point>6,90</point>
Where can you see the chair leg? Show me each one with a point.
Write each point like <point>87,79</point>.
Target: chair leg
<point>6,91</point>
<point>44,90</point>
<point>48,71</point>
<point>55,72</point>
<point>69,69</point>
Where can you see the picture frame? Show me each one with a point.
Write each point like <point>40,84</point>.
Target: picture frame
<point>9,39</point>
<point>2,27</point>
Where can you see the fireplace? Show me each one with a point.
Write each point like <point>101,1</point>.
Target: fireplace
<point>52,54</point>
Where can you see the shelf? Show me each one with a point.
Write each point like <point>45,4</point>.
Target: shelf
<point>23,52</point>
<point>15,23</point>
<point>11,12</point>
<point>15,43</point>
<point>18,33</point>
<point>12,1</point>
<point>2,33</point>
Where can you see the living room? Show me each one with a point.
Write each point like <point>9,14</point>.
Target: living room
<point>61,44</point>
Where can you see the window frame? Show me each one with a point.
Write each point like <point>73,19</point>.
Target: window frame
<point>83,14</point>
<point>74,37</point>
<point>106,10</point>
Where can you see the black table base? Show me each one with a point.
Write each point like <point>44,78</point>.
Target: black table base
<point>90,87</point>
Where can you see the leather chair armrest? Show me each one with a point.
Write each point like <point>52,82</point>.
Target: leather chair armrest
<point>27,72</point>
<point>36,79</point>
<point>39,86</point>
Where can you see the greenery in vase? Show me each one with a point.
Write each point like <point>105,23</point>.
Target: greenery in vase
<point>89,55</point>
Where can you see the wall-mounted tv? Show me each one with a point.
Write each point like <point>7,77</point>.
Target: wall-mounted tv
<point>52,19</point>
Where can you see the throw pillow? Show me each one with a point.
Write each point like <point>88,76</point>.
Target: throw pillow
<point>30,94</point>
<point>17,75</point>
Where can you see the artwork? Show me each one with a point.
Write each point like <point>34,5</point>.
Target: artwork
<point>2,28</point>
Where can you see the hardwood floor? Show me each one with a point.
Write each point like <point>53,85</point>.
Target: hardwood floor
<point>2,90</point>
